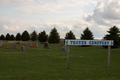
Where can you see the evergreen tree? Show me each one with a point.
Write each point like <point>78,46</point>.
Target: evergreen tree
<point>12,37</point>
<point>114,34</point>
<point>2,37</point>
<point>7,36</point>
<point>34,35</point>
<point>18,37</point>
<point>87,35</point>
<point>42,37</point>
<point>70,35</point>
<point>54,36</point>
<point>25,36</point>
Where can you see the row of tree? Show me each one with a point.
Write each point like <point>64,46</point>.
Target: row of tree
<point>42,36</point>
<point>113,34</point>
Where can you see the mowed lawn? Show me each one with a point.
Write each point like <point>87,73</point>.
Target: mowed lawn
<point>86,63</point>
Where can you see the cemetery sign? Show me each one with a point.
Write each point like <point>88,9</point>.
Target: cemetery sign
<point>89,42</point>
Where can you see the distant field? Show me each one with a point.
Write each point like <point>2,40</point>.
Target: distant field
<point>86,63</point>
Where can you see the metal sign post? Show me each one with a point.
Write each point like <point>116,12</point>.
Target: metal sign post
<point>108,43</point>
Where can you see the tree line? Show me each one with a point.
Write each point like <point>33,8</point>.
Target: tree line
<point>53,37</point>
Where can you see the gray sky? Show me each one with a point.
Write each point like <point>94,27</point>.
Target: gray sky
<point>98,15</point>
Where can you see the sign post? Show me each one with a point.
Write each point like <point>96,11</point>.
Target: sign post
<point>108,64</point>
<point>108,43</point>
<point>67,57</point>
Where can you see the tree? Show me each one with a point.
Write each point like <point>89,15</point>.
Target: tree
<point>87,35</point>
<point>42,37</point>
<point>18,37</point>
<point>25,36</point>
<point>114,34</point>
<point>54,36</point>
<point>7,36</point>
<point>12,37</point>
<point>33,35</point>
<point>70,35</point>
<point>2,37</point>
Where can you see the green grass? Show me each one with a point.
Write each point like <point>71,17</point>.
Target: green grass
<point>86,63</point>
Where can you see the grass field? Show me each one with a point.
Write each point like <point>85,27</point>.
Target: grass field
<point>86,63</point>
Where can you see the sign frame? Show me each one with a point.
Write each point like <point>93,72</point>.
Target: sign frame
<point>108,43</point>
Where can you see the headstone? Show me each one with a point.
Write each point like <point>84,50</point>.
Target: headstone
<point>64,48</point>
<point>46,46</point>
<point>0,44</point>
<point>36,44</point>
<point>30,44</point>
<point>26,44</point>
<point>22,48</point>
<point>13,46</point>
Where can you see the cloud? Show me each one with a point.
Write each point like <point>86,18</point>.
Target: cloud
<point>10,25</point>
<point>78,3</point>
<point>106,13</point>
<point>46,8</point>
<point>11,28</point>
<point>16,1</point>
<point>53,6</point>
<point>77,26</point>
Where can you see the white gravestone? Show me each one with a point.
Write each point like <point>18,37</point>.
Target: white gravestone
<point>22,48</point>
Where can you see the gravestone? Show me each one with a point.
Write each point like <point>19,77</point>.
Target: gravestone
<point>36,44</point>
<point>30,44</point>
<point>13,46</point>
<point>22,48</point>
<point>46,46</point>
<point>26,44</point>
<point>64,48</point>
<point>0,44</point>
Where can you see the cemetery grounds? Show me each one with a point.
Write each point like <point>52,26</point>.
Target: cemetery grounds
<point>37,63</point>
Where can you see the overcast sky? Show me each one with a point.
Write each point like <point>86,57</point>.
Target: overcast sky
<point>75,15</point>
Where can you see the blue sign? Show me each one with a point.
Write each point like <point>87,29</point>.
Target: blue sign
<point>89,42</point>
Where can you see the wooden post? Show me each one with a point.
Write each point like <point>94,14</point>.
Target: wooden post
<point>108,63</point>
<point>67,57</point>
